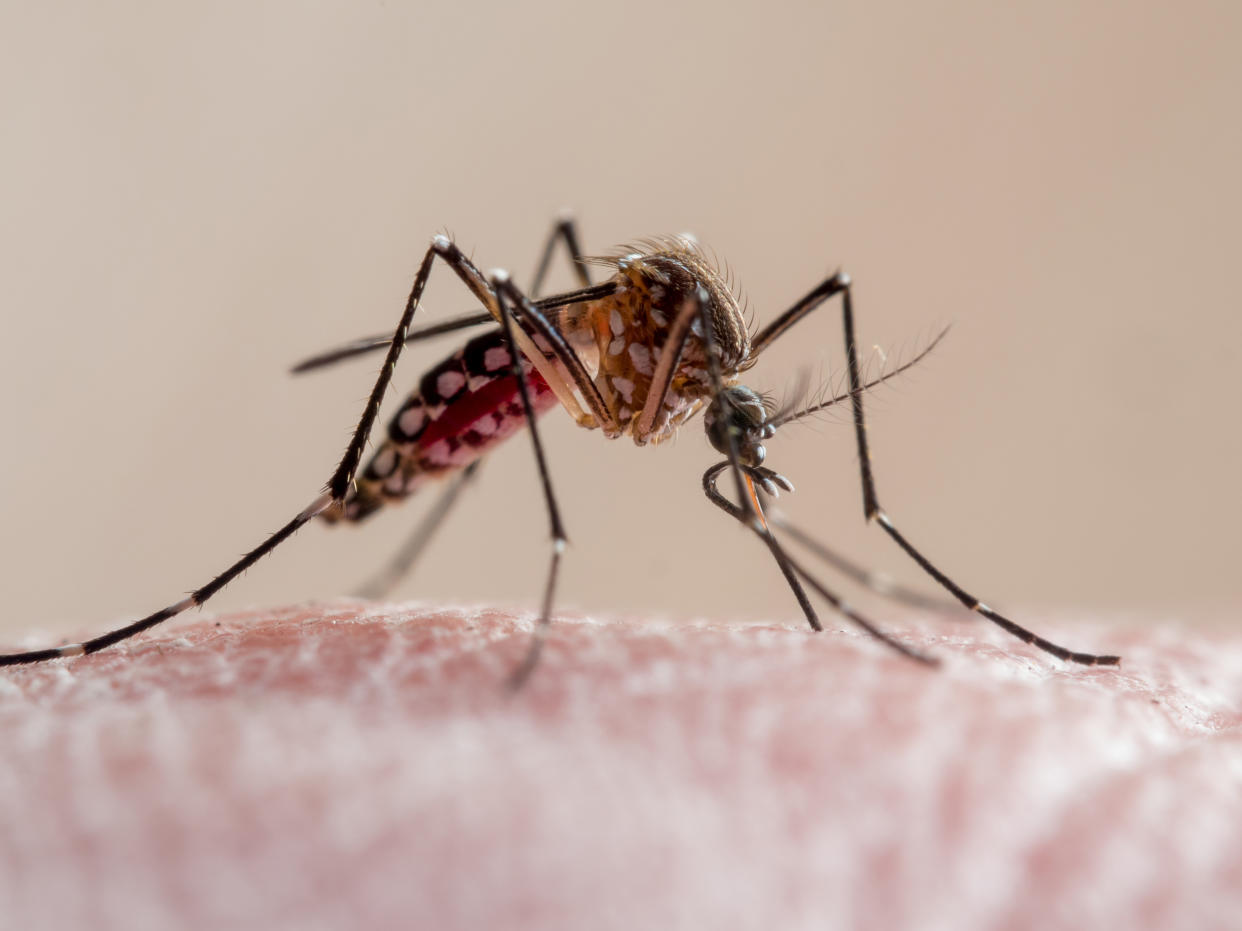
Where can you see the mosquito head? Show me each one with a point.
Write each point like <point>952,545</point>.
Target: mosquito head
<point>741,413</point>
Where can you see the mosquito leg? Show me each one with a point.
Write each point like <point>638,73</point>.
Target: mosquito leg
<point>565,230</point>
<point>789,567</point>
<point>382,583</point>
<point>839,283</point>
<point>506,292</point>
<point>337,487</point>
<point>878,582</point>
<point>749,513</point>
<point>320,504</point>
<point>532,313</point>
<point>367,344</point>
<point>974,604</point>
<point>873,511</point>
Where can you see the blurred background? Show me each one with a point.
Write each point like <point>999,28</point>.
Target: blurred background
<point>194,198</point>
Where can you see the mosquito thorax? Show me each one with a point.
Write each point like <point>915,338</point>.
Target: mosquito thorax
<point>739,412</point>
<point>655,280</point>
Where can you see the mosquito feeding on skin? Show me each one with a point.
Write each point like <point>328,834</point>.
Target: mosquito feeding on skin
<point>637,355</point>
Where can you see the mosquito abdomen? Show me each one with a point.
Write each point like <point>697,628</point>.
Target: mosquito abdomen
<point>463,407</point>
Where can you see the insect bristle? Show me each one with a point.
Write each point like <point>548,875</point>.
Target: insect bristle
<point>833,391</point>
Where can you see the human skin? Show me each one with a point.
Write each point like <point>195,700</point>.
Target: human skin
<point>362,765</point>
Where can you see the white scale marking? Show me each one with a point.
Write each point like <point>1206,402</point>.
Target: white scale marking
<point>624,387</point>
<point>615,323</point>
<point>449,383</point>
<point>385,462</point>
<point>412,420</point>
<point>641,357</point>
<point>497,358</point>
<point>437,453</point>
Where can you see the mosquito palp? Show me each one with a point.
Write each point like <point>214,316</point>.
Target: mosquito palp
<point>637,355</point>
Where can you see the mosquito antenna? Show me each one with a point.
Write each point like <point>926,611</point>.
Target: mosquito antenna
<point>780,419</point>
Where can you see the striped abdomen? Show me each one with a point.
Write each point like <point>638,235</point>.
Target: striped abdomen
<point>463,407</point>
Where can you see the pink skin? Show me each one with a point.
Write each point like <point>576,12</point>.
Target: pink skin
<point>354,765</point>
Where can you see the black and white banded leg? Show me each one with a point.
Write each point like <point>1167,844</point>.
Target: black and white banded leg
<point>839,284</point>
<point>381,585</point>
<point>879,582</point>
<point>342,478</point>
<point>789,566</point>
<point>509,297</point>
<point>564,230</point>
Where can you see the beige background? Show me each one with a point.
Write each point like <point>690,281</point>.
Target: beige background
<point>194,199</point>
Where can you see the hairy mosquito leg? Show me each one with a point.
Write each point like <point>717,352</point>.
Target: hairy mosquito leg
<point>381,584</point>
<point>320,504</point>
<point>338,485</point>
<point>508,296</point>
<point>873,511</point>
<point>846,611</point>
<point>367,344</point>
<point>839,283</point>
<point>564,230</point>
<point>974,604</point>
<point>447,251</point>
<point>789,567</point>
<point>878,582</point>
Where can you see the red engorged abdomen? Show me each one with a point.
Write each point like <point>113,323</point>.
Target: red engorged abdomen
<point>478,419</point>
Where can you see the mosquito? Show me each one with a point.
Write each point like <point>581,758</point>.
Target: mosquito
<point>637,355</point>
